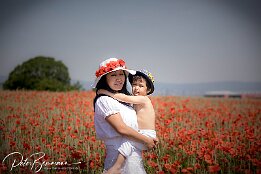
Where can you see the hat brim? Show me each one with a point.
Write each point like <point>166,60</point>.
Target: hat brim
<point>129,71</point>
<point>138,73</point>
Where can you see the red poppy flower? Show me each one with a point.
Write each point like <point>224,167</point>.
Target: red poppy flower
<point>109,67</point>
<point>214,168</point>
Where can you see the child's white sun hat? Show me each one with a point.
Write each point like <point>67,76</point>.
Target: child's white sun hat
<point>110,65</point>
<point>148,77</point>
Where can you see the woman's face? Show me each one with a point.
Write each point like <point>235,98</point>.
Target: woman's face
<point>116,80</point>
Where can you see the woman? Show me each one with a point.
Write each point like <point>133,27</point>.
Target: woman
<point>114,119</point>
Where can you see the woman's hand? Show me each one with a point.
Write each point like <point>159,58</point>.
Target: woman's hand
<point>152,142</point>
<point>117,123</point>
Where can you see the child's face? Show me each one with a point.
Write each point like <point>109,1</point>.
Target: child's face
<point>139,87</point>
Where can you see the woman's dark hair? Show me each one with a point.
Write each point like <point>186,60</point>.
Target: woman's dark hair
<point>102,84</point>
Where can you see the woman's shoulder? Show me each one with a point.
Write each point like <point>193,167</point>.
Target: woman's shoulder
<point>106,100</point>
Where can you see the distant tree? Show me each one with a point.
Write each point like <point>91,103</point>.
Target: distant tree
<point>77,86</point>
<point>40,73</point>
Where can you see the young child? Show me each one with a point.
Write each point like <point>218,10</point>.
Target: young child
<point>142,86</point>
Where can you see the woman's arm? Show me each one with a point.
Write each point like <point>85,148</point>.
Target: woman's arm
<point>117,123</point>
<point>125,98</point>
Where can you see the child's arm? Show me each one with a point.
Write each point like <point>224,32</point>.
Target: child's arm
<point>125,98</point>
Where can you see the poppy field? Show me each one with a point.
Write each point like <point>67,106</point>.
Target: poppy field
<point>53,132</point>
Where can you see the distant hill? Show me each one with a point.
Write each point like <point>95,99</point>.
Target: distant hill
<point>198,89</point>
<point>189,89</point>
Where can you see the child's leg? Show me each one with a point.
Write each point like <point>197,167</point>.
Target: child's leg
<point>116,168</point>
<point>125,151</point>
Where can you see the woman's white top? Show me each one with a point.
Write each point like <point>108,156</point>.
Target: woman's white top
<point>106,106</point>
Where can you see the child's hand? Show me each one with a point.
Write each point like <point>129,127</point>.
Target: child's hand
<point>101,91</point>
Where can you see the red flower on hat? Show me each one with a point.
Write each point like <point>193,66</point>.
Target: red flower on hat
<point>109,67</point>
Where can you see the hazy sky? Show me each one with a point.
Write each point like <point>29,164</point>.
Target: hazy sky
<point>185,41</point>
